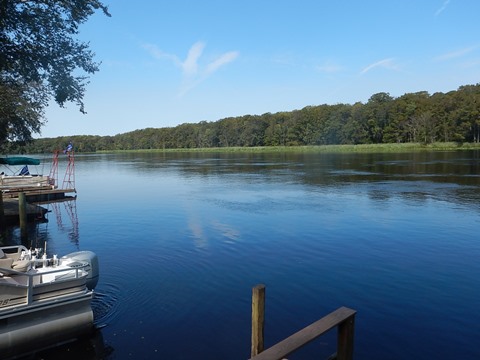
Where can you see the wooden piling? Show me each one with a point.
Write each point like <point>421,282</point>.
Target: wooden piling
<point>343,319</point>
<point>3,221</point>
<point>22,213</point>
<point>258,319</point>
<point>345,335</point>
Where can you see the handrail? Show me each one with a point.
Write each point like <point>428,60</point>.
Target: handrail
<point>30,277</point>
<point>18,247</point>
<point>343,318</point>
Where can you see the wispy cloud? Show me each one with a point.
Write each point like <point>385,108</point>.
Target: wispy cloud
<point>385,63</point>
<point>155,52</point>
<point>193,73</point>
<point>220,61</point>
<point>329,67</point>
<point>456,54</point>
<point>471,63</point>
<point>190,65</point>
<point>284,59</point>
<point>442,8</point>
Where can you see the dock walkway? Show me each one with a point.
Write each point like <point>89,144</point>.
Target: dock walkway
<point>39,194</point>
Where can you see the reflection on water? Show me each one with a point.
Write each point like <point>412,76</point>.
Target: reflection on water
<point>62,214</point>
<point>70,210</point>
<point>183,237</point>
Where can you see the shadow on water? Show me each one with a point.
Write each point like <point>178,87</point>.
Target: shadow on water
<point>86,348</point>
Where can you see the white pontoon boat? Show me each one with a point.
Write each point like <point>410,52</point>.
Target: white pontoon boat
<point>44,301</point>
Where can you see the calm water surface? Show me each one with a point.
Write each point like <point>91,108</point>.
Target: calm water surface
<point>182,239</point>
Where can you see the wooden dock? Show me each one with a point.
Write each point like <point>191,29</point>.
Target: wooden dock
<point>33,197</point>
<point>343,319</point>
<point>12,211</point>
<point>41,194</point>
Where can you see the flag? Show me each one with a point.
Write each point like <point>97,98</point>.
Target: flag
<point>25,171</point>
<point>68,148</point>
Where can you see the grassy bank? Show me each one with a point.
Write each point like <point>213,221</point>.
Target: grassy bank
<point>365,148</point>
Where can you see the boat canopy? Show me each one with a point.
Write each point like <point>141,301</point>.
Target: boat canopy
<point>19,160</point>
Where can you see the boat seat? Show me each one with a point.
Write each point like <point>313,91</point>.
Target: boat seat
<point>9,262</point>
<point>6,263</point>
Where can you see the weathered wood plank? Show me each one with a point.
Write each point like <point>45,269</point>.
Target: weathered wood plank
<point>345,337</point>
<point>22,210</point>
<point>306,335</point>
<point>258,319</point>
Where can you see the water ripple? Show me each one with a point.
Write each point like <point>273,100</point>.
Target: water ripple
<point>105,304</point>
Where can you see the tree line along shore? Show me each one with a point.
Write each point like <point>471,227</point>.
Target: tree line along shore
<point>441,121</point>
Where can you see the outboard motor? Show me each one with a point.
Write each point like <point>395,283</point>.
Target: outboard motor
<point>81,257</point>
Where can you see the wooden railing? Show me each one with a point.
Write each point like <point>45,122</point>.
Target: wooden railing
<point>343,318</point>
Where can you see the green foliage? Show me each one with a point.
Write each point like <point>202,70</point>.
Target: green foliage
<point>41,58</point>
<point>21,110</point>
<point>415,119</point>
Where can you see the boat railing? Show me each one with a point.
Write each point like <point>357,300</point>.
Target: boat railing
<point>19,249</point>
<point>29,280</point>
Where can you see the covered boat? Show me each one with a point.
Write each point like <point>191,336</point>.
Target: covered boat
<point>16,174</point>
<point>44,301</point>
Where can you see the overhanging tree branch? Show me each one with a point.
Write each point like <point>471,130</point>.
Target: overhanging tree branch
<point>41,58</point>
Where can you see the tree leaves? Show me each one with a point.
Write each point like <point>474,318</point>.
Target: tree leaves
<point>41,58</point>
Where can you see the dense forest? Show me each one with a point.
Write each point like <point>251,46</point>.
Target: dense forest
<point>414,117</point>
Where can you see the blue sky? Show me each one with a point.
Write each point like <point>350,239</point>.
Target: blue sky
<point>165,63</point>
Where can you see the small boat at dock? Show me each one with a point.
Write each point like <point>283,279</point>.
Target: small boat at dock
<point>44,301</point>
<point>16,175</point>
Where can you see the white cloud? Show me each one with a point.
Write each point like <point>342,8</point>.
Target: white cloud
<point>456,53</point>
<point>158,54</point>
<point>385,63</point>
<point>193,74</point>
<point>220,61</point>
<point>190,66</point>
<point>443,7</point>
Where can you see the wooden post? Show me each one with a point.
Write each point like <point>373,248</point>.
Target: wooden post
<point>3,223</point>
<point>22,212</point>
<point>346,330</point>
<point>258,319</point>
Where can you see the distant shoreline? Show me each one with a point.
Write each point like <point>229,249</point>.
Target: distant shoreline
<point>360,148</point>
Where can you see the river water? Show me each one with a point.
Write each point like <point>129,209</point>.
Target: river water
<point>183,237</point>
